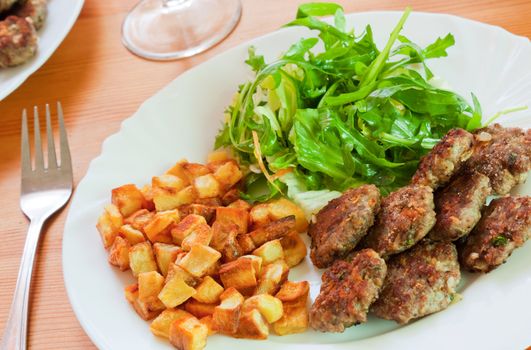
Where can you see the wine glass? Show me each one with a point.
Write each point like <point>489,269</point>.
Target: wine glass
<point>172,29</point>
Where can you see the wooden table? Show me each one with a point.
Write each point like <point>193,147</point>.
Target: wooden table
<point>100,84</point>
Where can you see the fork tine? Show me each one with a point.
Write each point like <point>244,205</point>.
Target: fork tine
<point>24,145</point>
<point>66,162</point>
<point>39,162</point>
<point>52,159</point>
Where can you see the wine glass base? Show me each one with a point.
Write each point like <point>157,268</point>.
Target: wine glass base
<point>173,29</point>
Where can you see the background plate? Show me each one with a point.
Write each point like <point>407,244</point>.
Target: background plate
<point>182,120</point>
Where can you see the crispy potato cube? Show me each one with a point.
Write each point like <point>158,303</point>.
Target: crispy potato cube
<point>294,320</point>
<point>188,334</point>
<point>187,225</point>
<point>210,202</point>
<point>147,192</point>
<point>208,291</point>
<point>141,258</point>
<point>149,286</point>
<point>270,251</point>
<point>252,325</point>
<point>271,277</point>
<point>199,309</point>
<point>207,186</point>
<point>139,219</point>
<point>115,216</point>
<point>128,199</point>
<point>205,211</point>
<point>260,215</point>
<point>199,260</point>
<point>231,196</point>
<point>143,309</point>
<point>160,326</point>
<point>246,243</point>
<point>176,270</point>
<point>165,254</point>
<point>169,182</point>
<point>228,174</point>
<point>294,293</point>
<point>107,229</point>
<point>209,322</point>
<point>165,199</point>
<point>119,253</point>
<point>239,274</point>
<point>219,155</point>
<point>159,228</point>
<point>283,207</point>
<point>273,230</point>
<point>224,240</point>
<point>269,306</point>
<point>294,248</point>
<point>237,216</point>
<point>201,235</point>
<point>257,264</point>
<point>240,204</point>
<point>227,314</point>
<point>175,292</point>
<point>195,170</point>
<point>179,171</point>
<point>131,234</point>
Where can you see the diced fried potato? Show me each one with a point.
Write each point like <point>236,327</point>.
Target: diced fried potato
<point>188,334</point>
<point>207,186</point>
<point>142,309</point>
<point>179,171</point>
<point>252,325</point>
<point>224,240</point>
<point>187,225</point>
<point>115,216</point>
<point>205,211</point>
<point>165,199</point>
<point>158,229</point>
<point>219,155</point>
<point>239,274</point>
<point>107,229</point>
<point>128,199</point>
<point>169,182</point>
<point>231,196</point>
<point>269,306</point>
<point>195,170</point>
<point>131,234</point>
<point>273,230</point>
<point>199,260</point>
<point>294,248</point>
<point>208,321</point>
<point>202,234</point>
<point>119,253</point>
<point>176,270</point>
<point>257,264</point>
<point>160,326</point>
<point>209,202</point>
<point>294,320</point>
<point>283,207</point>
<point>228,174</point>
<point>165,254</point>
<point>147,192</point>
<point>260,215</point>
<point>149,286</point>
<point>240,204</point>
<point>199,309</point>
<point>237,216</point>
<point>246,243</point>
<point>175,292</point>
<point>226,315</point>
<point>294,293</point>
<point>270,251</point>
<point>141,258</point>
<point>139,219</point>
<point>208,291</point>
<point>272,276</point>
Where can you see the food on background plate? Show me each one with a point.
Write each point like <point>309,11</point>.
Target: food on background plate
<point>342,223</point>
<point>6,4</point>
<point>36,10</point>
<point>505,226</point>
<point>419,282</point>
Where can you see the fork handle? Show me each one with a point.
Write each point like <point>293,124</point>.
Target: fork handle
<point>15,332</point>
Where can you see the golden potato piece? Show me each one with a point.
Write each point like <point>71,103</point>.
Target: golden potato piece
<point>119,253</point>
<point>228,174</point>
<point>273,230</point>
<point>294,293</point>
<point>187,226</point>
<point>207,186</point>
<point>240,204</point>
<point>165,254</point>
<point>237,216</point>
<point>175,292</point>
<point>160,326</point>
<point>252,325</point>
<point>202,235</point>
<point>294,248</point>
<point>199,260</point>
<point>199,309</point>
<point>195,170</point>
<point>257,264</point>
<point>128,199</point>
<point>270,251</point>
<point>139,219</point>
<point>226,315</point>
<point>231,196</point>
<point>246,244</point>
<point>272,277</point>
<point>269,306</point>
<point>179,170</point>
<point>205,211</point>
<point>260,215</point>
<point>131,234</point>
<point>224,240</point>
<point>158,229</point>
<point>208,291</point>
<point>294,320</point>
<point>175,270</point>
<point>149,286</point>
<point>141,258</point>
<point>188,334</point>
<point>283,207</point>
<point>143,309</point>
<point>239,274</point>
<point>165,199</point>
<point>219,155</point>
<point>108,225</point>
<point>209,322</point>
<point>170,182</point>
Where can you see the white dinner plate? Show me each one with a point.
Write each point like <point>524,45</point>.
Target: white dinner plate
<point>61,17</point>
<point>181,121</point>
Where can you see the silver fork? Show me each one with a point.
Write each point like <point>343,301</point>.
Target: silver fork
<point>44,190</point>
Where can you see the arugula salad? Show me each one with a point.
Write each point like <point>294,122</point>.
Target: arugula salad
<point>335,111</point>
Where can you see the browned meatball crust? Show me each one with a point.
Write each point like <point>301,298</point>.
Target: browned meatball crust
<point>502,154</point>
<point>445,159</point>
<point>35,10</point>
<point>458,206</point>
<point>505,226</point>
<point>419,282</point>
<point>6,5</point>
<point>341,224</point>
<point>349,287</point>
<point>18,41</point>
<point>405,217</point>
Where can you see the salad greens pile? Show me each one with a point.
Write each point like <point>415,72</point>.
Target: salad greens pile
<point>335,112</point>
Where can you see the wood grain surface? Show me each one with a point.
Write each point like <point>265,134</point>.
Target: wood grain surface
<point>100,84</point>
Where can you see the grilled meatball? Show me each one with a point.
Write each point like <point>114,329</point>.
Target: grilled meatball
<point>6,5</point>
<point>405,217</point>
<point>419,282</point>
<point>341,224</point>
<point>505,226</point>
<point>502,154</point>
<point>349,287</point>
<point>37,10</point>
<point>445,159</point>
<point>18,41</point>
<point>458,206</point>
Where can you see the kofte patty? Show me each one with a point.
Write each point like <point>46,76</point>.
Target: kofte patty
<point>445,159</point>
<point>458,206</point>
<point>341,224</point>
<point>419,282</point>
<point>37,10</point>
<point>6,5</point>
<point>349,287</point>
<point>502,154</point>
<point>505,226</point>
<point>18,41</point>
<point>405,217</point>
